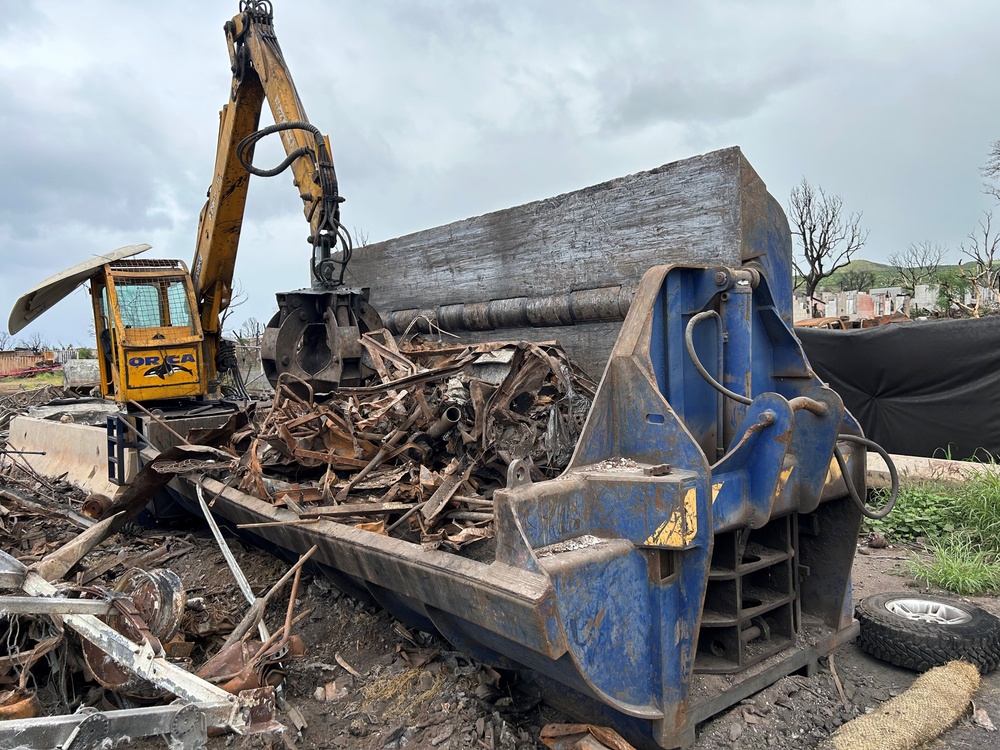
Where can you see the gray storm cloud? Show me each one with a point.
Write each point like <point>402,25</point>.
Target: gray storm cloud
<point>439,111</point>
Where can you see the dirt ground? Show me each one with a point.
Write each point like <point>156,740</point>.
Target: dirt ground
<point>25,384</point>
<point>367,682</point>
<point>447,701</point>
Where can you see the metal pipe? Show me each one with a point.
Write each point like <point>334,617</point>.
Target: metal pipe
<point>750,634</point>
<point>241,579</point>
<point>582,306</point>
<point>445,423</point>
<point>52,605</point>
<point>808,404</point>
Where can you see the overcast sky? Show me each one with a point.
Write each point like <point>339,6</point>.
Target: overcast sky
<point>438,111</point>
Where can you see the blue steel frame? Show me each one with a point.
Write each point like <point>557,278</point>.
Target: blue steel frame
<point>628,607</point>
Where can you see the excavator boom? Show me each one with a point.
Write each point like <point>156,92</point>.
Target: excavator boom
<point>314,336</point>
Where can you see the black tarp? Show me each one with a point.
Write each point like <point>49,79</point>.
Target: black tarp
<point>922,388</point>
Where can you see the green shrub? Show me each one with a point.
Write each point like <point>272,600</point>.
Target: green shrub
<point>922,510</point>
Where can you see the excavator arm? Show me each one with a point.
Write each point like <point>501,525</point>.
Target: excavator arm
<point>259,73</point>
<point>222,216</point>
<point>320,345</point>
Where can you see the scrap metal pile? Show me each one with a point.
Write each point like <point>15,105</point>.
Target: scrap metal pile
<point>80,600</point>
<point>17,403</point>
<point>419,454</point>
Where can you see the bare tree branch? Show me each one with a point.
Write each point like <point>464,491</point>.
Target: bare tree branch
<point>36,342</point>
<point>238,297</point>
<point>828,239</point>
<point>918,264</point>
<point>991,171</point>
<point>982,272</point>
<point>250,331</point>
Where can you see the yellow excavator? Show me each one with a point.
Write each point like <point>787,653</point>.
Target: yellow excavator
<point>159,326</point>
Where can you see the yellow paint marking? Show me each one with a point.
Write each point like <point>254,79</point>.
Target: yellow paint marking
<point>833,473</point>
<point>682,526</point>
<point>782,481</point>
<point>716,489</point>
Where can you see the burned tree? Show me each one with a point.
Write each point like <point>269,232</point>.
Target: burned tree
<point>828,238</point>
<point>918,264</point>
<point>858,279</point>
<point>979,272</point>
<point>36,342</point>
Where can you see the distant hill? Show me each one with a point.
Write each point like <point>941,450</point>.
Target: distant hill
<point>885,275</point>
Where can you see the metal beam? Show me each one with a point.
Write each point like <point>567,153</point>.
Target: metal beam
<point>184,723</point>
<point>57,605</point>
<point>11,572</point>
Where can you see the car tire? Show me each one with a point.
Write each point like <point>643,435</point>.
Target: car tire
<point>920,631</point>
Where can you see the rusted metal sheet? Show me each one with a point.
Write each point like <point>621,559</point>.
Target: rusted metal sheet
<point>25,363</point>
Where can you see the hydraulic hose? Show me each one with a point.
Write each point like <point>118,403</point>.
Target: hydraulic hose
<point>689,343</point>
<point>327,270</point>
<point>882,512</point>
<point>837,452</point>
<point>251,140</point>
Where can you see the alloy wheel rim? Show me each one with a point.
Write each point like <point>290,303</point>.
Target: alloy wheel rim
<point>925,610</point>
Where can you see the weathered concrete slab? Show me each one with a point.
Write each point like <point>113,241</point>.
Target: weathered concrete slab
<point>919,469</point>
<point>709,210</point>
<point>89,411</point>
<point>78,452</point>
<point>81,373</point>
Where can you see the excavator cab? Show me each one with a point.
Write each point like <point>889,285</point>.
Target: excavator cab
<point>150,341</point>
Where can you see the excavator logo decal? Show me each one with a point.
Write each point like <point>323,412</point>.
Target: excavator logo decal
<point>162,368</point>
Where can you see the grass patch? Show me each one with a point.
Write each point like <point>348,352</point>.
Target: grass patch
<point>959,563</point>
<point>38,380</point>
<point>960,524</point>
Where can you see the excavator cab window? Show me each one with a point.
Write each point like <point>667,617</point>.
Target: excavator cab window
<point>177,304</point>
<point>153,303</point>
